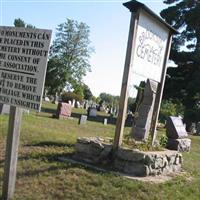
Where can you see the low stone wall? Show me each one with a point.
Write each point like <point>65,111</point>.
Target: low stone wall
<point>130,161</point>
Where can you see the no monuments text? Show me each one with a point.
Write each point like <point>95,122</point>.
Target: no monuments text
<point>23,61</point>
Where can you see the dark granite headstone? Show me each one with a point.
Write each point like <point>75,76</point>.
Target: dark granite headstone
<point>175,128</point>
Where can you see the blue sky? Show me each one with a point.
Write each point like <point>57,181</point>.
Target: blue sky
<point>109,25</point>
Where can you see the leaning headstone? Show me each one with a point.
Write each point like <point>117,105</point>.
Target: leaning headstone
<point>177,135</point>
<point>175,128</point>
<point>141,128</point>
<point>83,119</point>
<point>198,128</point>
<point>4,108</point>
<point>63,110</point>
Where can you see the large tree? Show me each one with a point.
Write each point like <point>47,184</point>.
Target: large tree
<point>20,23</point>
<point>183,82</point>
<point>69,54</point>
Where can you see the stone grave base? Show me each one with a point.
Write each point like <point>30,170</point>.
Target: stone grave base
<point>129,161</point>
<point>181,145</point>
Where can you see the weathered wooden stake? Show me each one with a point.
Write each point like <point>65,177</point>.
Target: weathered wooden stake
<point>160,92</point>
<point>124,89</point>
<point>11,156</point>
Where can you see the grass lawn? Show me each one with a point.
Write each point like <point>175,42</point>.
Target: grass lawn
<point>41,176</point>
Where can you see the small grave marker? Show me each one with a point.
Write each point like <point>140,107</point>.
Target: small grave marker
<point>83,119</point>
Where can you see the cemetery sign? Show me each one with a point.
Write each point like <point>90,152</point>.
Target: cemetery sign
<point>147,53</point>
<point>23,61</point>
<point>150,46</point>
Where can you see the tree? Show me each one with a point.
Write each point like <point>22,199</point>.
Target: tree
<point>20,23</point>
<point>109,100</point>
<point>56,76</point>
<point>87,93</point>
<point>183,83</point>
<point>72,48</point>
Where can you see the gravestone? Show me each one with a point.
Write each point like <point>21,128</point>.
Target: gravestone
<point>193,128</point>
<point>141,128</point>
<point>177,135</point>
<point>198,128</point>
<point>73,103</point>
<point>63,110</point>
<point>47,99</point>
<point>175,128</point>
<point>105,121</point>
<point>56,99</point>
<point>92,112</point>
<point>83,119</point>
<point>4,108</point>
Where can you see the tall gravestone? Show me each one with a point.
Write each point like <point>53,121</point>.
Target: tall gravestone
<point>141,128</point>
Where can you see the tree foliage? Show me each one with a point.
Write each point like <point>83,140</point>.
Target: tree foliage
<point>71,50</point>
<point>183,83</point>
<point>20,23</point>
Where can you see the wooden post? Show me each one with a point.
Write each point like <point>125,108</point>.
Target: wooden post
<point>11,153</point>
<point>124,89</point>
<point>160,91</point>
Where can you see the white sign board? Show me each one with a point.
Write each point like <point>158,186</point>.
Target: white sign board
<point>23,62</point>
<point>150,47</point>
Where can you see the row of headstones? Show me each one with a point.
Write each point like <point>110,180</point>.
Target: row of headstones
<point>64,111</point>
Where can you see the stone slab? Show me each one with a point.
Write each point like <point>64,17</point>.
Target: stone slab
<point>180,145</point>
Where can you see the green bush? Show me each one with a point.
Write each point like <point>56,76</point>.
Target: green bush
<point>163,141</point>
<point>69,96</point>
<point>168,108</point>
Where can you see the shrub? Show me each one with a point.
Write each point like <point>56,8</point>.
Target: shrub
<point>168,108</point>
<point>69,96</point>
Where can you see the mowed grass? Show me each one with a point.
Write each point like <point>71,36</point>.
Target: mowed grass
<point>40,175</point>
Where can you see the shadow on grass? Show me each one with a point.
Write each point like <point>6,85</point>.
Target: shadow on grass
<point>98,118</point>
<point>48,110</point>
<point>51,144</point>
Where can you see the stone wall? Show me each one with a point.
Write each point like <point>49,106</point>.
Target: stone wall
<point>129,161</point>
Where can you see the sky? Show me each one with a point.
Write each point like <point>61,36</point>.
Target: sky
<point>109,26</point>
